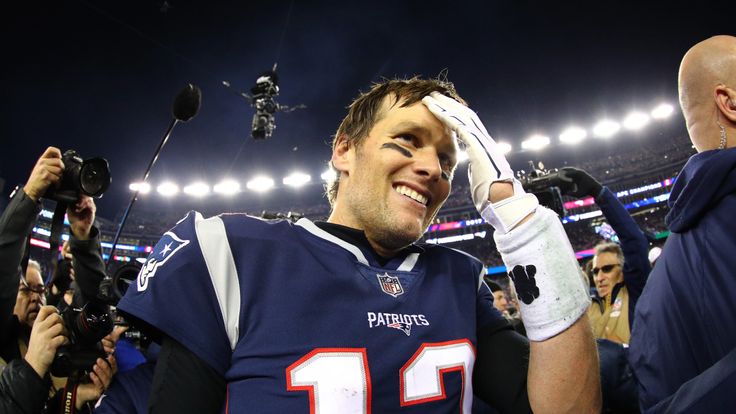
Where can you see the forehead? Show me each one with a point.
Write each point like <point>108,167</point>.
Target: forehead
<point>33,277</point>
<point>414,118</point>
<point>605,258</point>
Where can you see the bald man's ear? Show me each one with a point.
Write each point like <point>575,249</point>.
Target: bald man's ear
<point>341,154</point>
<point>726,102</point>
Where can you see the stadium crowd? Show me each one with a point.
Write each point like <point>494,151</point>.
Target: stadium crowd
<point>74,354</point>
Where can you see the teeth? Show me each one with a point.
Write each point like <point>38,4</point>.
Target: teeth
<point>412,194</point>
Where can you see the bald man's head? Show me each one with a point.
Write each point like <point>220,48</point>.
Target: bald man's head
<point>707,84</point>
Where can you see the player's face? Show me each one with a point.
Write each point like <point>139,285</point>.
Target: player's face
<point>607,272</point>
<point>29,300</point>
<point>399,176</point>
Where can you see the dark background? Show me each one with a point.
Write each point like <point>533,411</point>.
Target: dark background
<point>100,77</point>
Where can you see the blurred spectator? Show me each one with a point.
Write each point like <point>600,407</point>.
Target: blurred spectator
<point>683,344</point>
<point>619,272</point>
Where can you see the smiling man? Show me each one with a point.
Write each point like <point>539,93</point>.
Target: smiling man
<point>352,315</point>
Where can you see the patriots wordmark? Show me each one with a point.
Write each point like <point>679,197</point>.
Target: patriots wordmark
<point>402,322</point>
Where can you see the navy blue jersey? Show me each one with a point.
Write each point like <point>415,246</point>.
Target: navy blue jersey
<point>300,321</point>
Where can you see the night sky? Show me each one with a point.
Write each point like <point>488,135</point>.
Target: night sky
<point>100,76</point>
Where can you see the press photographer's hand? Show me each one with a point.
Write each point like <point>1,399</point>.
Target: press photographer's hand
<point>81,217</point>
<point>47,171</point>
<point>47,336</point>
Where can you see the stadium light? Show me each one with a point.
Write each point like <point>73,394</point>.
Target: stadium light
<point>260,184</point>
<point>197,189</point>
<point>167,189</point>
<point>636,120</point>
<point>606,128</point>
<point>535,142</point>
<point>142,188</point>
<point>505,147</point>
<point>573,135</point>
<point>297,179</point>
<point>662,111</point>
<point>328,175</point>
<point>227,187</point>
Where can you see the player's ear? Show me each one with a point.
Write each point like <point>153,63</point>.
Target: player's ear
<point>342,154</point>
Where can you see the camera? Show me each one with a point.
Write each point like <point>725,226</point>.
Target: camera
<point>263,94</point>
<point>86,327</point>
<point>546,185</point>
<point>90,177</point>
<point>112,289</point>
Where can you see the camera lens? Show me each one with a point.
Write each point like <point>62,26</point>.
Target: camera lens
<point>94,177</point>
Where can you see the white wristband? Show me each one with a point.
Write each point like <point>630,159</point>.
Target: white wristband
<point>506,214</point>
<point>546,276</point>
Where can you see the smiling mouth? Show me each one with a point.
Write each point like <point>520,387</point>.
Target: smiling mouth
<point>408,192</point>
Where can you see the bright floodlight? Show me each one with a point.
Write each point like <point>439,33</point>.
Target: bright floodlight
<point>573,135</point>
<point>142,188</point>
<point>197,189</point>
<point>535,142</point>
<point>636,120</point>
<point>167,189</point>
<point>662,111</point>
<point>606,128</point>
<point>505,147</point>
<point>227,187</point>
<point>260,184</point>
<point>328,175</point>
<point>462,156</point>
<point>297,179</point>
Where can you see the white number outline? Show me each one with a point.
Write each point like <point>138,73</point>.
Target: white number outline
<point>310,388</point>
<point>464,367</point>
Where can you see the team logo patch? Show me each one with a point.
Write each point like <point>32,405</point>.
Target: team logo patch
<point>169,244</point>
<point>400,321</point>
<point>390,285</point>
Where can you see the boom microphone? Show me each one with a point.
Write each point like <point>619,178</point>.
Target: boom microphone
<point>187,103</point>
<point>186,106</point>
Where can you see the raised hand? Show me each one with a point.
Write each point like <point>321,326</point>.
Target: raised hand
<point>47,171</point>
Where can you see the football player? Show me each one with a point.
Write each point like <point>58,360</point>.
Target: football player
<point>352,315</point>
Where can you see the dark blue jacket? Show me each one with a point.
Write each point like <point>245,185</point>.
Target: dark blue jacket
<point>683,344</point>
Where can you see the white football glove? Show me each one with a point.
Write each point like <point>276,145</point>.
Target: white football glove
<point>487,164</point>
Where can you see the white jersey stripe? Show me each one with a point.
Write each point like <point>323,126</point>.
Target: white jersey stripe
<point>312,228</point>
<point>409,262</point>
<point>221,266</point>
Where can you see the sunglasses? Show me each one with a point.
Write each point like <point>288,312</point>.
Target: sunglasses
<point>605,269</point>
<point>40,289</point>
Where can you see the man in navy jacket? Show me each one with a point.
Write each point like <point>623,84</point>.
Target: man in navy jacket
<point>683,345</point>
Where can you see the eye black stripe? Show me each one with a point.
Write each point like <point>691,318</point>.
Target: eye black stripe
<point>403,151</point>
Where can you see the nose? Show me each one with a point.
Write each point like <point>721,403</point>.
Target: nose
<point>427,164</point>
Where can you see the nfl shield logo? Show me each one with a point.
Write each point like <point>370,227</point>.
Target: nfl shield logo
<point>390,285</point>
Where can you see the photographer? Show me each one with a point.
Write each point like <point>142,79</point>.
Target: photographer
<point>19,316</point>
<point>24,385</point>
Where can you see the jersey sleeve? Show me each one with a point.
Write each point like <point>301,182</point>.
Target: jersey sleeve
<point>174,293</point>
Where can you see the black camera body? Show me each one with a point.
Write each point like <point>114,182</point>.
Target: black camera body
<point>263,99</point>
<point>545,185</point>
<point>86,326</point>
<point>90,177</point>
